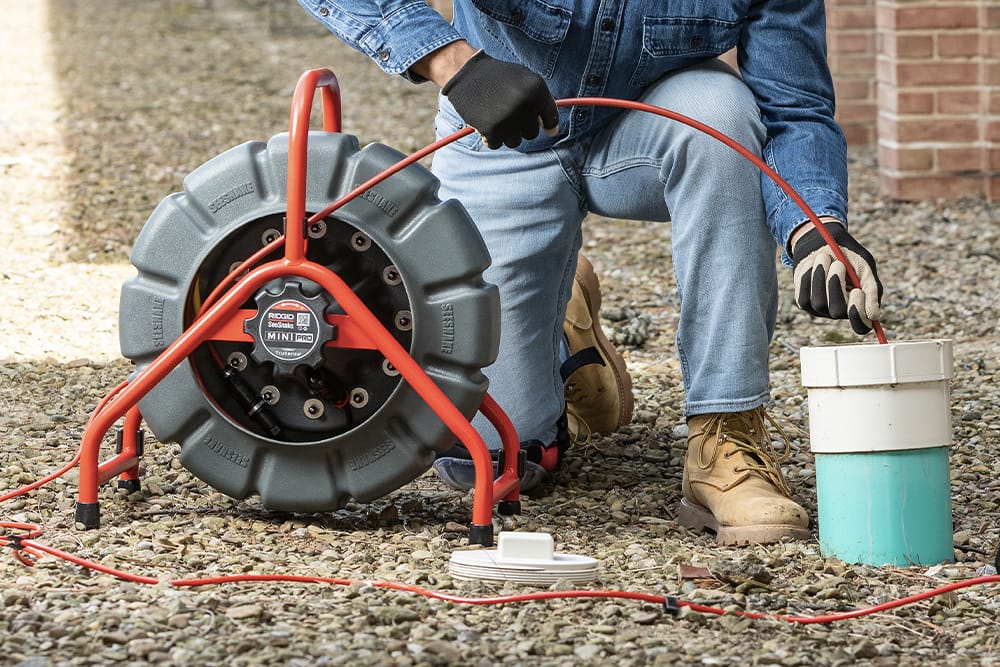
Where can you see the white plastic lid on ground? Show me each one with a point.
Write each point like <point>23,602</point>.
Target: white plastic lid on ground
<point>527,558</point>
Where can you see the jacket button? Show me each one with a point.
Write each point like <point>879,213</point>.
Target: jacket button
<point>323,11</point>
<point>384,54</point>
<point>607,24</point>
<point>516,15</point>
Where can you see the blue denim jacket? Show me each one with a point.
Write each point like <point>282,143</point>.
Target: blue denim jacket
<point>617,48</point>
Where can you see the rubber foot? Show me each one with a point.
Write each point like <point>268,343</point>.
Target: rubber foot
<point>130,486</point>
<point>482,535</point>
<point>88,515</point>
<point>509,507</point>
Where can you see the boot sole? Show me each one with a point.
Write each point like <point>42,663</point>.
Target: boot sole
<point>591,288</point>
<point>696,517</point>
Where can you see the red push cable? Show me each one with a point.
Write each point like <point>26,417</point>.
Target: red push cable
<point>25,543</point>
<point>852,276</point>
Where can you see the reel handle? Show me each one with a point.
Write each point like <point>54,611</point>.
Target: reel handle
<point>298,140</point>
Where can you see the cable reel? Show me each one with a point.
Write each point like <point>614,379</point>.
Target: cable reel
<point>292,401</point>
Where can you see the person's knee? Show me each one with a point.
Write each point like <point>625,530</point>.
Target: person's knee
<point>716,96</point>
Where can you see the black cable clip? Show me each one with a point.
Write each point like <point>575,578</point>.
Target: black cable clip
<point>21,552</point>
<point>140,441</point>
<point>671,605</point>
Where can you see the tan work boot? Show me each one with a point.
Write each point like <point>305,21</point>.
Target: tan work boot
<point>733,483</point>
<point>597,383</point>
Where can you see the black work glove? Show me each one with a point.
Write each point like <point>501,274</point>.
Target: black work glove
<point>504,101</point>
<point>820,279</point>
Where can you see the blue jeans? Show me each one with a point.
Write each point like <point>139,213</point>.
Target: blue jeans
<point>529,208</point>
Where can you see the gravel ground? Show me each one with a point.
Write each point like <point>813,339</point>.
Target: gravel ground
<point>107,105</point>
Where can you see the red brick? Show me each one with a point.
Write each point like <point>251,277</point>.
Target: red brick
<point>936,17</point>
<point>905,159</point>
<point>886,70</point>
<point>885,16</point>
<point>991,40</point>
<point>966,158</point>
<point>856,112</point>
<point>852,64</point>
<point>993,106</point>
<point>937,73</point>
<point>916,188</point>
<point>993,159</point>
<point>854,88</point>
<point>991,75</point>
<point>850,18</point>
<point>851,41</point>
<point>959,101</point>
<point>992,16</point>
<point>903,45</point>
<point>887,126</point>
<point>958,45</point>
<point>992,132</point>
<point>940,130</point>
<point>859,134</point>
<point>905,102</point>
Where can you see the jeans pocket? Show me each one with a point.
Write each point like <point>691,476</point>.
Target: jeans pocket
<point>448,122</point>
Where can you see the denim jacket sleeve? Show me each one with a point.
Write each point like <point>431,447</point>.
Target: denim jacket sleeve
<point>393,33</point>
<point>783,60</point>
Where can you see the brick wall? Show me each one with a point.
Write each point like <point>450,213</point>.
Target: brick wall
<point>937,78</point>
<point>851,48</point>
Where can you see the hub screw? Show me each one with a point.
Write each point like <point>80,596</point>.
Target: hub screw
<point>237,360</point>
<point>270,394</point>
<point>317,229</point>
<point>359,397</point>
<point>360,242</point>
<point>404,320</point>
<point>313,408</point>
<point>269,236</point>
<point>390,276</point>
<point>389,369</point>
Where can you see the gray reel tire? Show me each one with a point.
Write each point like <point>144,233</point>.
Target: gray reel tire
<point>439,255</point>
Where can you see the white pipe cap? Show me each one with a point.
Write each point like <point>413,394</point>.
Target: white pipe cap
<point>527,558</point>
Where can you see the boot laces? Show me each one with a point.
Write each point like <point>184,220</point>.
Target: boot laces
<point>579,430</point>
<point>746,432</point>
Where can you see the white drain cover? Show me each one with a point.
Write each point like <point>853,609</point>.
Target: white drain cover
<point>526,558</point>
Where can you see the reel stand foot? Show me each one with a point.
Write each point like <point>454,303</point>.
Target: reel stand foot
<point>481,534</point>
<point>88,515</point>
<point>130,486</point>
<point>508,507</point>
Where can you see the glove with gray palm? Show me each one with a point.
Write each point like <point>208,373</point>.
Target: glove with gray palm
<point>821,287</point>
